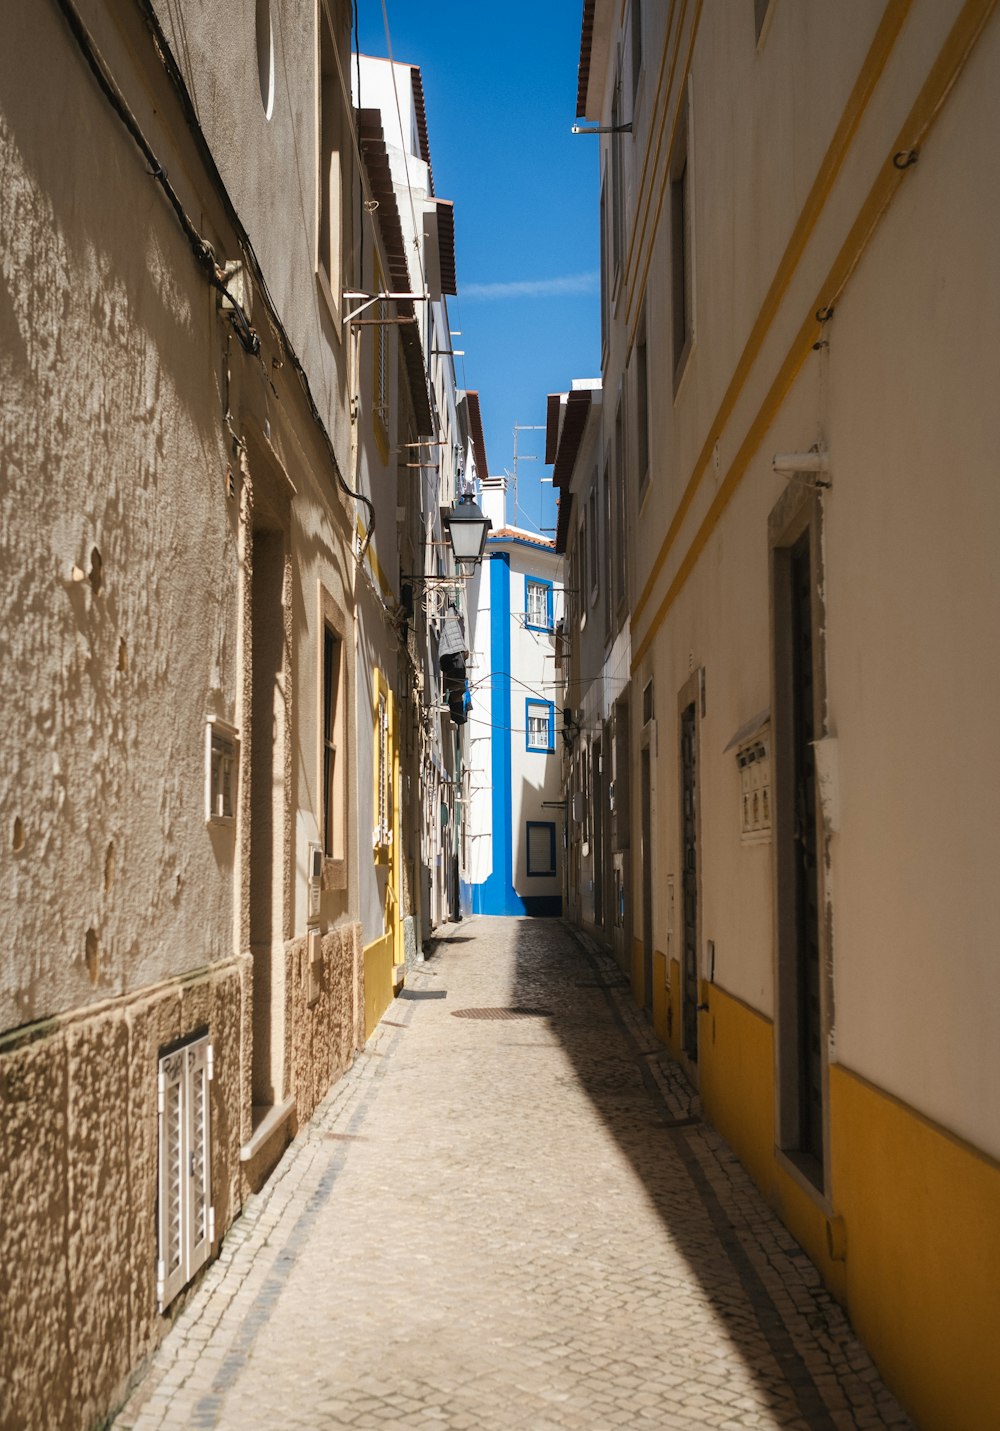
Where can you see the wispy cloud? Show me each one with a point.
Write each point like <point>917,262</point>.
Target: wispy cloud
<point>570,285</point>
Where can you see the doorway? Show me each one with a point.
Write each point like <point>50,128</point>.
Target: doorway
<point>690,866</point>
<point>798,702</point>
<point>268,733</point>
<point>600,812</point>
<point>645,780</point>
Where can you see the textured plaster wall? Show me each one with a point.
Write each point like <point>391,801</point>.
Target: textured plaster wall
<point>326,1033</point>
<point>117,554</point>
<point>125,619</point>
<point>270,165</point>
<point>78,1184</point>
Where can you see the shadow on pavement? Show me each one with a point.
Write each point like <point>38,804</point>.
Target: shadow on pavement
<point>556,973</point>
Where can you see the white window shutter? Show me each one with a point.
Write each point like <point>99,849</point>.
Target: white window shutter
<point>186,1218</point>
<point>540,849</point>
<point>199,1160</point>
<point>170,1267</point>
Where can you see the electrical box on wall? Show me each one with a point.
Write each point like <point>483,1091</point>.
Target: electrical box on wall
<point>315,880</point>
<point>754,761</point>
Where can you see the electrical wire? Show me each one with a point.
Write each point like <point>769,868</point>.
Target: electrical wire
<point>203,250</point>
<point>200,247</point>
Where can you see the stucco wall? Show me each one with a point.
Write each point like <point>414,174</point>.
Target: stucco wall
<point>78,1161</point>
<point>117,550</point>
<point>140,447</point>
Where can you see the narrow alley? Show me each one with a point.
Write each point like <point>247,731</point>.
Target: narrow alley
<point>573,1246</point>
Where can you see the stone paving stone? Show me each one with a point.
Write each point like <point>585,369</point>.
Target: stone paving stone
<point>517,1222</point>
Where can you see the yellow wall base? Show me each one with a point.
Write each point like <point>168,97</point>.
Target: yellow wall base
<point>916,1212</point>
<point>637,978</point>
<point>378,981</point>
<point>736,1048</point>
<point>922,1212</point>
<point>661,997</point>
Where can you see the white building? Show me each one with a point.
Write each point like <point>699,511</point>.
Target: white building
<point>800,210</point>
<point>412,436</point>
<point>517,814</point>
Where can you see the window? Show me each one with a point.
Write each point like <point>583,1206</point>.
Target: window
<point>221,771</point>
<point>382,833</point>
<point>333,752</point>
<point>186,1221</point>
<point>636,48</point>
<point>680,251</point>
<point>334,227</point>
<point>380,366</point>
<point>265,56</point>
<point>605,274</point>
<point>761,16</point>
<point>582,539</point>
<point>539,726</point>
<point>641,406</point>
<point>618,514</point>
<point>617,178</point>
<point>538,603</point>
<point>541,847</point>
<point>595,544</point>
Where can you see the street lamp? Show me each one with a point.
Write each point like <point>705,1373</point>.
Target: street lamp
<point>467,527</point>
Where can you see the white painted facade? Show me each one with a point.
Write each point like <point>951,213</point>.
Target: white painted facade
<point>517,821</point>
<point>800,227</point>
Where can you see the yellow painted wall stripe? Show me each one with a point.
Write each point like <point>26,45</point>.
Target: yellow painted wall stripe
<point>378,981</point>
<point>371,558</point>
<point>870,73</point>
<point>944,73</point>
<point>923,1253</point>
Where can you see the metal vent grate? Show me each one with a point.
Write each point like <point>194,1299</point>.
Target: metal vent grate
<point>501,1013</point>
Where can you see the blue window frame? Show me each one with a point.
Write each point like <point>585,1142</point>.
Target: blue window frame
<point>540,847</point>
<point>540,726</point>
<point>537,603</point>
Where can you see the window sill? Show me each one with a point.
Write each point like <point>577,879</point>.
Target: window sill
<point>807,1173</point>
<point>331,304</point>
<point>268,1121</point>
<point>334,873</point>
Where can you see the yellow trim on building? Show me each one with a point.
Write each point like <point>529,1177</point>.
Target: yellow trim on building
<point>922,1213</point>
<point>736,1057</point>
<point>661,997</point>
<point>945,71</point>
<point>914,1208</point>
<point>870,73</point>
<point>371,558</point>
<point>378,981</point>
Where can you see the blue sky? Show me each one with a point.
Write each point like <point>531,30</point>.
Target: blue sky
<point>500,87</point>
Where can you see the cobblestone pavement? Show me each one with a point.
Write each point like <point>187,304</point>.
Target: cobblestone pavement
<point>511,1221</point>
